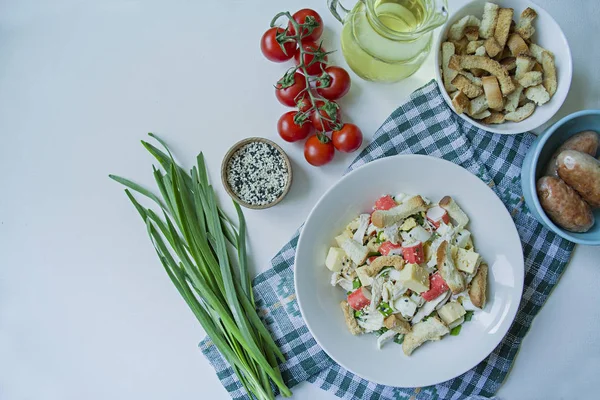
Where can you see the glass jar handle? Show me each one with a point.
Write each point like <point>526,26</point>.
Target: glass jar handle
<point>338,10</point>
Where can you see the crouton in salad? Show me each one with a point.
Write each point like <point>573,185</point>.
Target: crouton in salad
<point>409,269</point>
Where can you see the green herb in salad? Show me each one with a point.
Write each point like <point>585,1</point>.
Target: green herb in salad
<point>433,236</point>
<point>385,309</point>
<point>356,283</point>
<point>380,238</point>
<point>420,218</point>
<point>374,254</point>
<point>456,330</point>
<point>468,316</point>
<point>399,338</point>
<point>192,237</point>
<point>381,331</point>
<point>358,313</point>
<point>430,315</point>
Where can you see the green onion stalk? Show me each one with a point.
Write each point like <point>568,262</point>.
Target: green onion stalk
<point>204,255</point>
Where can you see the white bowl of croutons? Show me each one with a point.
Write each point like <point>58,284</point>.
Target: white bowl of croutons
<point>504,66</point>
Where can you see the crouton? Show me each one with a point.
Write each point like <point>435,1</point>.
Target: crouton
<point>517,45</point>
<point>512,100</point>
<point>474,45</point>
<point>509,63</point>
<point>457,215</point>
<point>478,105</point>
<point>457,31</point>
<point>477,291</point>
<point>524,64</point>
<point>448,74</point>
<point>550,81</point>
<point>381,262</point>
<point>474,80</point>
<point>505,16</point>
<point>351,323</point>
<point>488,22</point>
<point>520,113</point>
<point>472,33</point>
<point>383,218</point>
<point>524,27</point>
<point>467,87</point>
<point>493,93</point>
<point>460,46</point>
<point>537,51</point>
<point>491,66</point>
<point>523,100</point>
<point>479,52</point>
<point>492,47</point>
<point>447,268</point>
<point>461,102</point>
<point>531,78</point>
<point>481,115</point>
<point>430,329</point>
<point>537,94</point>
<point>494,118</point>
<point>395,323</point>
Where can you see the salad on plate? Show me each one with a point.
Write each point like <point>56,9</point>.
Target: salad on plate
<point>410,271</point>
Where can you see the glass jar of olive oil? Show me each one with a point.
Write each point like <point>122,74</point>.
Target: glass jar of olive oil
<point>388,40</point>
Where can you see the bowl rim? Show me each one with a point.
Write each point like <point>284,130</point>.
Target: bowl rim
<point>230,191</point>
<point>521,282</point>
<point>490,128</point>
<point>543,139</point>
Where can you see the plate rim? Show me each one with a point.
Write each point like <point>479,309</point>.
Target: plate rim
<point>520,278</point>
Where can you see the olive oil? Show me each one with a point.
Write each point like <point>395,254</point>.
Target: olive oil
<point>377,42</point>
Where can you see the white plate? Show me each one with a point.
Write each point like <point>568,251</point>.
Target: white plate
<point>495,237</point>
<point>548,35</point>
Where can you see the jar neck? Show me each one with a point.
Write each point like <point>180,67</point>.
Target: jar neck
<point>431,20</point>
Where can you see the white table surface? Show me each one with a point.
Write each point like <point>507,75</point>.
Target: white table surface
<point>86,310</point>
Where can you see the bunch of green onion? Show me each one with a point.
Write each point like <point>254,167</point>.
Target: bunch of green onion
<point>204,254</point>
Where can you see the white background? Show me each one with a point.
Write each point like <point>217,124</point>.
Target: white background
<point>86,311</point>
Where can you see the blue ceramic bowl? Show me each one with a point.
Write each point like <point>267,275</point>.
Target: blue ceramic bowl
<point>535,163</point>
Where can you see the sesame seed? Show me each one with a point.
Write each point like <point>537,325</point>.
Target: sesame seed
<point>257,173</point>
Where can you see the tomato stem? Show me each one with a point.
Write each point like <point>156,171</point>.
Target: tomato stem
<point>317,57</point>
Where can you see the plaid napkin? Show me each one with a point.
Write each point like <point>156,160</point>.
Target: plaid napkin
<point>423,125</point>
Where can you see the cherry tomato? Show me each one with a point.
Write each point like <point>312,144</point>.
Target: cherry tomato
<point>385,203</point>
<point>304,103</point>
<point>347,139</point>
<point>290,131</point>
<point>316,67</point>
<point>272,50</point>
<point>387,247</point>
<point>318,153</point>
<point>360,298</point>
<point>334,83</point>
<point>288,96</point>
<point>326,116</point>
<point>312,20</point>
<point>437,286</point>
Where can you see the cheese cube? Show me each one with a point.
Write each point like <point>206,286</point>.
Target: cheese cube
<point>450,312</point>
<point>467,260</point>
<point>415,277</point>
<point>342,238</point>
<point>408,224</point>
<point>363,276</point>
<point>336,259</point>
